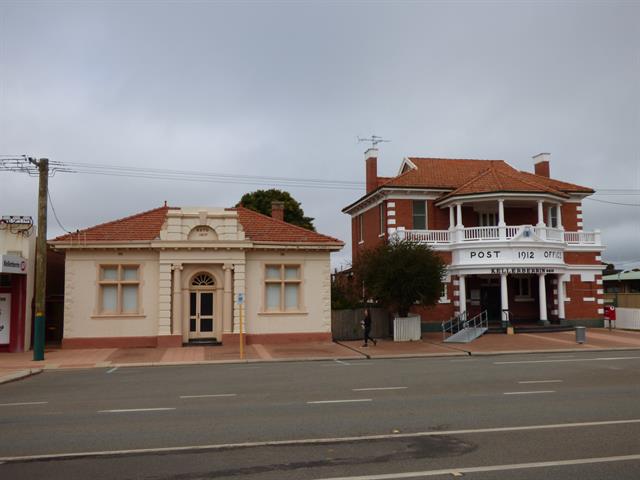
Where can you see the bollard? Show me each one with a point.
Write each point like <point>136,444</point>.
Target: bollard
<point>581,334</point>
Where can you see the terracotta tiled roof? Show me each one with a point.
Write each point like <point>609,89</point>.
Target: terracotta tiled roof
<point>447,173</point>
<point>139,227</point>
<point>262,228</point>
<point>500,179</point>
<point>146,226</point>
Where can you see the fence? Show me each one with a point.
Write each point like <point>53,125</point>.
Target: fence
<point>623,300</point>
<point>628,318</point>
<point>346,324</point>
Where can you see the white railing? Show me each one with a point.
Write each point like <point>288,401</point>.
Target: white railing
<point>588,238</point>
<point>494,233</point>
<point>427,236</point>
<point>481,233</point>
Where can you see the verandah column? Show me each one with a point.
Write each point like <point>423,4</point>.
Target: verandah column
<point>501,223</point>
<point>176,311</point>
<point>462,293</point>
<point>504,297</point>
<point>542,299</point>
<point>227,305</point>
<point>459,225</point>
<point>560,298</point>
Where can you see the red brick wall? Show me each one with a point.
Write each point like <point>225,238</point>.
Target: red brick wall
<point>577,290</point>
<point>582,258</point>
<point>521,216</point>
<point>438,217</point>
<point>370,230</point>
<point>569,217</point>
<point>404,214</point>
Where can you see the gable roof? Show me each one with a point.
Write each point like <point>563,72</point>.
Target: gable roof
<point>146,226</point>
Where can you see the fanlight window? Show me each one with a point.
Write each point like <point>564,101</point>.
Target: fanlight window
<point>202,280</point>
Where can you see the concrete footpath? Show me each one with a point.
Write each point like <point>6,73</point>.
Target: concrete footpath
<point>14,366</point>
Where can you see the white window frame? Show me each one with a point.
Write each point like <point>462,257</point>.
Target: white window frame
<point>444,298</point>
<point>553,216</point>
<point>426,214</point>
<point>488,219</point>
<point>119,282</point>
<point>382,212</point>
<point>360,222</point>
<point>283,282</point>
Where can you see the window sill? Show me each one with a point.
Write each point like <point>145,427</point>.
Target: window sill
<point>118,315</point>
<point>361,242</point>
<point>273,313</point>
<point>444,300</point>
<point>381,235</point>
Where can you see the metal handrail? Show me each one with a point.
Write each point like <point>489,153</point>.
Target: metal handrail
<point>460,322</point>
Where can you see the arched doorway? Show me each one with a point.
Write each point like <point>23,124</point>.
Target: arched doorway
<point>202,306</point>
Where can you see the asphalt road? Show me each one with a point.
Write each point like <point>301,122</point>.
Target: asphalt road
<point>516,416</point>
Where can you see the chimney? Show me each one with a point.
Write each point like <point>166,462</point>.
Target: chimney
<point>277,210</point>
<point>541,165</point>
<point>371,160</point>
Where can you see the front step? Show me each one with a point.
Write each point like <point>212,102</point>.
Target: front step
<point>497,328</point>
<point>198,342</point>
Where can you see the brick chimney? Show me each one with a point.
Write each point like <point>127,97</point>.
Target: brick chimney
<point>277,210</point>
<point>541,165</point>
<point>371,161</point>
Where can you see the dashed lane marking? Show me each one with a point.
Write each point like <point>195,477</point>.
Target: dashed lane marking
<point>540,381</point>
<point>127,410</point>
<point>529,393</point>
<point>354,400</point>
<point>377,388</point>
<point>209,396</point>
<point>17,404</point>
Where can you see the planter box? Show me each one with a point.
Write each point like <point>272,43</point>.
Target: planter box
<point>406,329</point>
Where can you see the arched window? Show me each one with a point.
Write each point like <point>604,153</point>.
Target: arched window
<point>202,280</point>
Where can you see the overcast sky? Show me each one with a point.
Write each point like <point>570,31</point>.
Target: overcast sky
<point>284,88</point>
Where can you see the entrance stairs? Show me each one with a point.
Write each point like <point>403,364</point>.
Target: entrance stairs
<point>463,330</point>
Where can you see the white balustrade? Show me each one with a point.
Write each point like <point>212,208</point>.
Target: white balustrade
<point>492,233</point>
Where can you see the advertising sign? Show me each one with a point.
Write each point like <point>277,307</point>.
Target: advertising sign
<point>13,264</point>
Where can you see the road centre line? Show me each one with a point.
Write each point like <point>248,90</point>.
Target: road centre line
<point>540,381</point>
<point>529,393</point>
<point>377,388</point>
<point>458,472</point>
<point>312,441</point>
<point>342,401</point>
<point>341,362</point>
<point>209,396</point>
<point>17,404</point>
<point>600,359</point>
<point>112,370</point>
<point>126,410</point>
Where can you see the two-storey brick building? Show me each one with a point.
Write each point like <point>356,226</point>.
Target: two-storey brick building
<point>513,240</point>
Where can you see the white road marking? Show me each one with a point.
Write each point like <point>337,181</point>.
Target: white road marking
<point>125,410</point>
<point>341,362</point>
<point>600,359</point>
<point>377,388</point>
<point>210,396</point>
<point>21,403</point>
<point>458,472</point>
<point>112,370</point>
<point>315,441</point>
<point>529,393</point>
<point>342,401</point>
<point>541,381</point>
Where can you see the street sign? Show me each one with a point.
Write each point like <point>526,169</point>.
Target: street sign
<point>240,298</point>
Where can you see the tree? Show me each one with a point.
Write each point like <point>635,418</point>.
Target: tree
<point>260,201</point>
<point>399,273</point>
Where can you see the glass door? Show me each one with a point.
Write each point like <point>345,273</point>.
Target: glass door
<point>201,314</point>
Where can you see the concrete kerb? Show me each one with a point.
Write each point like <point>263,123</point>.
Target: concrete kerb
<point>20,374</point>
<point>561,350</point>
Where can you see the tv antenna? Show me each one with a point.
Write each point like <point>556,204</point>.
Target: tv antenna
<point>375,140</point>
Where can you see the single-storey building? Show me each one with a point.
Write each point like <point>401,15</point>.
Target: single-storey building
<point>173,276</point>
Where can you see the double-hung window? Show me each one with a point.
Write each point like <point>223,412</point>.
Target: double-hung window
<point>419,215</point>
<point>523,288</point>
<point>488,219</point>
<point>553,216</point>
<point>382,218</point>
<point>119,289</point>
<point>282,288</point>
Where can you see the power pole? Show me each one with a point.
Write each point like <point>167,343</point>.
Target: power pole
<point>41,258</point>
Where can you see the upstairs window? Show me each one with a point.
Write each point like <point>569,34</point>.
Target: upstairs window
<point>488,219</point>
<point>360,222</point>
<point>382,219</point>
<point>553,217</point>
<point>419,215</point>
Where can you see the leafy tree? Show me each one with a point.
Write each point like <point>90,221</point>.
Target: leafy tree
<point>260,201</point>
<point>400,273</point>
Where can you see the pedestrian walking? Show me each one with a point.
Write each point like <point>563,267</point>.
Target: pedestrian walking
<point>366,324</point>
